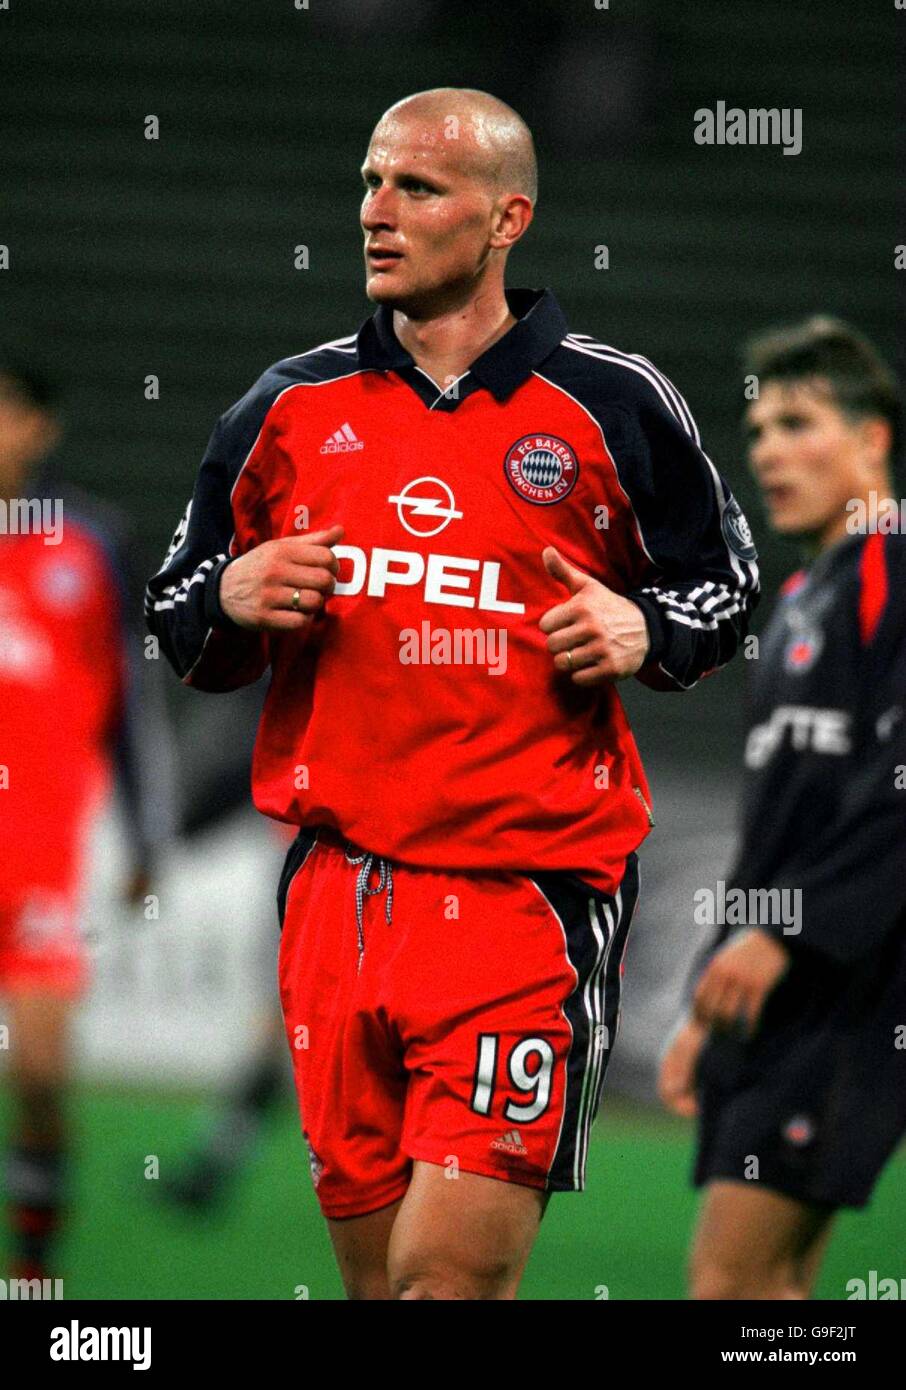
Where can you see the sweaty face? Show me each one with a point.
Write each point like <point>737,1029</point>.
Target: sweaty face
<point>426,214</point>
<point>806,455</point>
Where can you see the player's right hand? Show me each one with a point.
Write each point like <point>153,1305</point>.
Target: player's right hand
<point>676,1079</point>
<point>256,590</point>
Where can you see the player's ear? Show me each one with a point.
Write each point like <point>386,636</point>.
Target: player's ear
<point>877,437</point>
<point>513,214</point>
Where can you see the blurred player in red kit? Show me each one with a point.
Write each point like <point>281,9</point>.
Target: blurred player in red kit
<point>791,1055</point>
<point>67,716</point>
<point>502,519</point>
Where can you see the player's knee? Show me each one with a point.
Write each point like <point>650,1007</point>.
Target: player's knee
<point>367,1288</point>
<point>491,1279</point>
<point>713,1279</point>
<point>715,1282</point>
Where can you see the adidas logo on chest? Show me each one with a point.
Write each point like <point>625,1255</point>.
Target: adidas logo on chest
<point>342,441</point>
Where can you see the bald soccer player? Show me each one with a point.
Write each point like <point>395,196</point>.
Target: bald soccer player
<point>449,535</point>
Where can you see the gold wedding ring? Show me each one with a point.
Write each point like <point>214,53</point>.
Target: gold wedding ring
<point>296,597</point>
<point>569,657</point>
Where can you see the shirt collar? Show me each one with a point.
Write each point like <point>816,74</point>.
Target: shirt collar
<point>507,363</point>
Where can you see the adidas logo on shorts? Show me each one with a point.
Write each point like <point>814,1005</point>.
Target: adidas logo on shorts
<point>510,1143</point>
<point>342,441</point>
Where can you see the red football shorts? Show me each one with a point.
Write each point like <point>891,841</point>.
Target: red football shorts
<point>464,1019</point>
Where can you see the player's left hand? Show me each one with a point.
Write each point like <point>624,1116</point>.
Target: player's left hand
<point>738,979</point>
<point>596,635</point>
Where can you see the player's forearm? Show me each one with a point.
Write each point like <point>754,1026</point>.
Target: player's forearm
<point>701,585</point>
<point>202,645</point>
<point>182,601</point>
<point>695,627</point>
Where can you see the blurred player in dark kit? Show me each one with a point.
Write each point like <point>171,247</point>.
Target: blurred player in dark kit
<point>793,1056</point>
<point>69,675</point>
<point>456,905</point>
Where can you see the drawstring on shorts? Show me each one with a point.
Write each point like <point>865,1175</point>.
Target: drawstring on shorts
<point>367,862</point>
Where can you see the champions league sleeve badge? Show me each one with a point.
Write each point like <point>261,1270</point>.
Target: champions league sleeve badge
<point>736,530</point>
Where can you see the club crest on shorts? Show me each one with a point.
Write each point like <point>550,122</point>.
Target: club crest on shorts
<point>799,1131</point>
<point>315,1164</point>
<point>541,468</point>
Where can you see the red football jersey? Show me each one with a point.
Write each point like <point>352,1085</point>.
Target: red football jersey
<point>422,716</point>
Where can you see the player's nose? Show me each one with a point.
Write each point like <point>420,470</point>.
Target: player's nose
<point>764,454</point>
<point>379,209</point>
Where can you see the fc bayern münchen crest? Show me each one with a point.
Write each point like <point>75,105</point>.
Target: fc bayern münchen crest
<point>541,468</point>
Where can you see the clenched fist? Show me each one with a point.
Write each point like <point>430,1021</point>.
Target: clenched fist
<point>596,635</point>
<point>257,589</point>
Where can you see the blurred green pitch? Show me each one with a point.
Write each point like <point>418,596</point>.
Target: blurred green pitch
<point>629,1231</point>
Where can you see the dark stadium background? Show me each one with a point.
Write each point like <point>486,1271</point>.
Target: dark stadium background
<point>174,257</point>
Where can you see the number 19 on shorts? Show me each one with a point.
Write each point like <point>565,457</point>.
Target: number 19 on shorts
<point>530,1066</point>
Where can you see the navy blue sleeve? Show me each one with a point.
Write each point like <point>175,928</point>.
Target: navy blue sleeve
<point>703,583</point>
<point>698,583</point>
<point>182,603</point>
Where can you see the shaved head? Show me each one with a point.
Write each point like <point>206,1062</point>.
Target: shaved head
<point>450,185</point>
<point>492,140</point>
